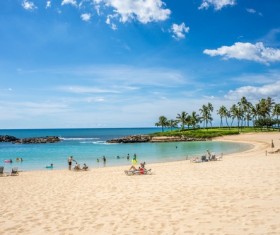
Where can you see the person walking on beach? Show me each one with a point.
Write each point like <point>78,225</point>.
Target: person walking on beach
<point>70,160</point>
<point>127,158</point>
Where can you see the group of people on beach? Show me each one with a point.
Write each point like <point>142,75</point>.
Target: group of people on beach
<point>77,167</point>
<point>208,157</point>
<point>70,161</point>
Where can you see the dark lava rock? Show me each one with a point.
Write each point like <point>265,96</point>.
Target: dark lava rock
<point>37,140</point>
<point>131,139</point>
<point>7,138</point>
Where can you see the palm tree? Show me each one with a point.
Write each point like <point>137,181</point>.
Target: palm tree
<point>182,118</point>
<point>210,110</point>
<point>206,114</point>
<point>245,107</point>
<point>265,107</point>
<point>188,121</point>
<point>194,119</point>
<point>235,113</point>
<point>172,123</point>
<point>162,122</point>
<point>223,112</point>
<point>276,112</point>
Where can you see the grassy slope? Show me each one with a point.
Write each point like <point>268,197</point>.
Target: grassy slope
<point>208,133</point>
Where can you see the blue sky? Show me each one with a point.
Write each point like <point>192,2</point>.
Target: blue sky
<point>124,63</point>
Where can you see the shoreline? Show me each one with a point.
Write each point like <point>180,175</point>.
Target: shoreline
<point>238,195</point>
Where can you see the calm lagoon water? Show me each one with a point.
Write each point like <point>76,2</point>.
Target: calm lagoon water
<point>86,145</point>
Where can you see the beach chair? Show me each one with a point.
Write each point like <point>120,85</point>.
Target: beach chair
<point>138,172</point>
<point>219,158</point>
<point>195,160</point>
<point>2,171</point>
<point>14,171</point>
<point>273,152</point>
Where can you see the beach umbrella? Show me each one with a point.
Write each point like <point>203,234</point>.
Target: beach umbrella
<point>272,144</point>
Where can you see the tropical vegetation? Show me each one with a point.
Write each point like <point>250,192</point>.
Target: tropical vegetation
<point>264,114</point>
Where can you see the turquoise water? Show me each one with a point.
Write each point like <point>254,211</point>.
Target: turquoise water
<point>86,145</point>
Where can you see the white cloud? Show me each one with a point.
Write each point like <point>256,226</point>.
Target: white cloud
<point>28,5</point>
<point>70,2</point>
<point>217,4</point>
<point>179,31</point>
<point>144,11</point>
<point>247,51</point>
<point>86,17</point>
<point>250,10</point>
<point>109,22</point>
<point>48,4</point>
<point>86,90</point>
<point>253,11</point>
<point>254,92</point>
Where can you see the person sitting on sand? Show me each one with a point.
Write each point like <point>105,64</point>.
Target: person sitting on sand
<point>85,167</point>
<point>77,167</point>
<point>140,168</point>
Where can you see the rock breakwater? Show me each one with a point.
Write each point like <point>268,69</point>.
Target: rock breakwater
<point>33,140</point>
<point>153,139</point>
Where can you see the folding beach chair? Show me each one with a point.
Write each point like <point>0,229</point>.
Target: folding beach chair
<point>14,171</point>
<point>2,171</point>
<point>138,172</point>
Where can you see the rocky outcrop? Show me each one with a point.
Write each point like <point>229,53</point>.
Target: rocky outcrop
<point>154,139</point>
<point>7,138</point>
<point>34,140</point>
<point>38,140</point>
<point>175,139</point>
<point>131,139</point>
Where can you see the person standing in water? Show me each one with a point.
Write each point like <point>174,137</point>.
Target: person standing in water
<point>104,160</point>
<point>134,160</point>
<point>70,160</point>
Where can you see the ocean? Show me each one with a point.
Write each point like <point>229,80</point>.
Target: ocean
<point>87,145</point>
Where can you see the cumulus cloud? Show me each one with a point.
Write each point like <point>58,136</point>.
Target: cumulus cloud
<point>144,11</point>
<point>247,51</point>
<point>28,5</point>
<point>217,4</point>
<point>109,21</point>
<point>255,92</point>
<point>70,2</point>
<point>86,17</point>
<point>179,31</point>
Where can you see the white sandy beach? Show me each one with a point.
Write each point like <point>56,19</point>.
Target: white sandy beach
<point>238,195</point>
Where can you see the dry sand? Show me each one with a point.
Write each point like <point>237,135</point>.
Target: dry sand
<point>239,195</point>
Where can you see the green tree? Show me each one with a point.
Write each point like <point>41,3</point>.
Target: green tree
<point>172,124</point>
<point>222,112</point>
<point>162,122</point>
<point>276,112</point>
<point>206,115</point>
<point>182,118</point>
<point>245,109</point>
<point>194,119</point>
<point>237,113</point>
